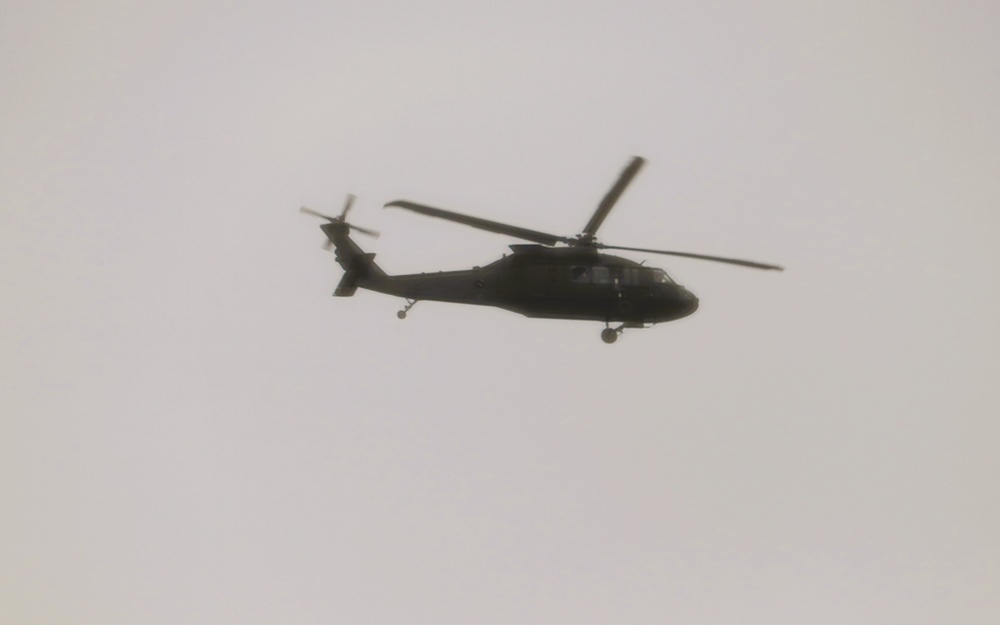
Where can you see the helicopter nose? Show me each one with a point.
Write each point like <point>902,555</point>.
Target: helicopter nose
<point>688,300</point>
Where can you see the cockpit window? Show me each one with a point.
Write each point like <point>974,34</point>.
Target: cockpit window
<point>661,277</point>
<point>578,273</point>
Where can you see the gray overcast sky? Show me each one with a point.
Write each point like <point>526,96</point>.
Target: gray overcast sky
<point>194,431</point>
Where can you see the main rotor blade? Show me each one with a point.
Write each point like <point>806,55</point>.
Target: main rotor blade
<point>612,196</point>
<point>482,224</point>
<point>718,259</point>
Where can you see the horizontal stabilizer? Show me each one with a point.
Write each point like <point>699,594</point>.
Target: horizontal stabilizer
<point>348,285</point>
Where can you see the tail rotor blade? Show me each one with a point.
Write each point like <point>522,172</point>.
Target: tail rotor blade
<point>348,202</point>
<point>369,232</point>
<point>309,211</point>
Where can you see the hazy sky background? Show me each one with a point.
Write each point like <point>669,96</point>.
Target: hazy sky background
<point>194,431</point>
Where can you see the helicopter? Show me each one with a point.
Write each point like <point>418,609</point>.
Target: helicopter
<point>553,277</point>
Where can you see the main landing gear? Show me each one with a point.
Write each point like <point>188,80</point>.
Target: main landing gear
<point>609,335</point>
<point>410,303</point>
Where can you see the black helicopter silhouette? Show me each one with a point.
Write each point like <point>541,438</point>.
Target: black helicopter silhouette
<point>576,281</point>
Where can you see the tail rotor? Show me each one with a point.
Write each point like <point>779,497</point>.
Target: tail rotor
<point>342,219</point>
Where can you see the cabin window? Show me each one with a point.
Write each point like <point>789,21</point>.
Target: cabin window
<point>601,275</point>
<point>630,276</point>
<point>578,273</point>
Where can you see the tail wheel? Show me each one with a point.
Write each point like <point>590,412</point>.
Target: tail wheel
<point>410,303</point>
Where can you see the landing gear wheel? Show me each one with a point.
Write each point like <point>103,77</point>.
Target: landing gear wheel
<point>410,303</point>
<point>609,335</point>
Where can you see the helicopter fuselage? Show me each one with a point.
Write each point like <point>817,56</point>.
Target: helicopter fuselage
<point>554,283</point>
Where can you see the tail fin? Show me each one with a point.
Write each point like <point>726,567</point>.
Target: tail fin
<point>359,266</point>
